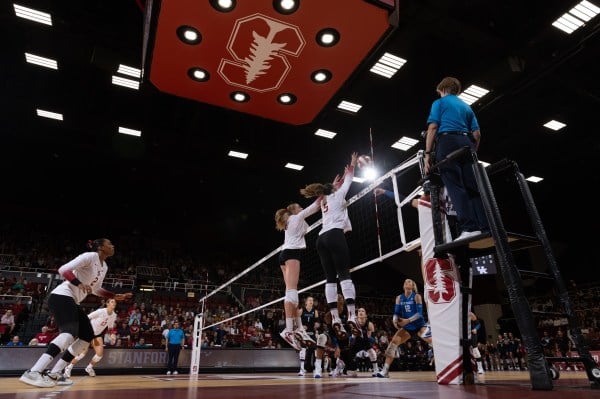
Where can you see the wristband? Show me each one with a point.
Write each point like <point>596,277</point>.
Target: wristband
<point>75,281</point>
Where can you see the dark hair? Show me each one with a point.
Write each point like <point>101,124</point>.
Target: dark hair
<point>93,245</point>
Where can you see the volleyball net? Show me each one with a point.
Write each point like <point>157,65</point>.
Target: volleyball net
<point>381,228</point>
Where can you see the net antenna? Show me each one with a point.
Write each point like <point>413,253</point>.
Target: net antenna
<point>375,196</point>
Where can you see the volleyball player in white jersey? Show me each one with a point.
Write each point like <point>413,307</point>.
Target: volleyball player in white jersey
<point>83,276</point>
<point>101,319</point>
<point>291,220</point>
<point>331,244</point>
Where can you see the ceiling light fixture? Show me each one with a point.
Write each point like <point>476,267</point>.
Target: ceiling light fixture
<point>119,81</point>
<point>223,5</point>
<point>33,15</point>
<point>473,93</point>
<point>328,37</point>
<point>237,154</point>
<point>348,106</point>
<point>286,7</point>
<point>240,97</point>
<point>325,133</point>
<point>294,166</point>
<point>405,143</point>
<point>189,35</point>
<point>554,125</point>
<point>534,179</point>
<point>321,76</point>
<point>198,74</point>
<point>576,17</point>
<point>49,114</point>
<point>286,99</point>
<point>41,61</point>
<point>129,71</point>
<point>130,132</point>
<point>388,65</point>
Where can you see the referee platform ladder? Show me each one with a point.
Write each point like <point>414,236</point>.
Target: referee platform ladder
<point>503,244</point>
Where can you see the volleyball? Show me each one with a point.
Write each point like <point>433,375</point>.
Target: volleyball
<point>364,161</point>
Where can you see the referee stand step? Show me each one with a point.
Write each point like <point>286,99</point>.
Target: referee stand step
<point>484,243</point>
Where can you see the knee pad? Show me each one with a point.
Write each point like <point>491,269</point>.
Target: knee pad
<point>291,296</point>
<point>391,349</point>
<point>372,355</point>
<point>348,289</point>
<point>63,340</point>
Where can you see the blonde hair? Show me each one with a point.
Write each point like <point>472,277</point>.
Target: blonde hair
<point>449,84</point>
<point>414,285</point>
<point>317,189</point>
<point>282,215</point>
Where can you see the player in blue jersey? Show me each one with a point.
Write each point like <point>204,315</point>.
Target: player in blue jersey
<point>409,320</point>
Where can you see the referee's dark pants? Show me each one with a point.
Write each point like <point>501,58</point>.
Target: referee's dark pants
<point>173,356</point>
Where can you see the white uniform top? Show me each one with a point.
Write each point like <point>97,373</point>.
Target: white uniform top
<point>100,319</point>
<point>334,208</point>
<point>297,227</point>
<point>88,269</point>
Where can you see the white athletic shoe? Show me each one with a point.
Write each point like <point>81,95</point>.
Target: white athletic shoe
<point>168,373</point>
<point>356,330</point>
<point>175,372</point>
<point>90,370</point>
<point>37,379</point>
<point>382,374</point>
<point>317,373</point>
<point>289,337</point>
<point>62,380</point>
<point>68,369</point>
<point>301,373</point>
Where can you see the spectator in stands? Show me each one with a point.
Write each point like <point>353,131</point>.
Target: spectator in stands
<point>332,246</point>
<point>8,319</point>
<point>44,337</point>
<point>15,341</point>
<point>83,275</point>
<point>34,342</point>
<point>291,220</point>
<point>142,344</point>
<point>52,327</point>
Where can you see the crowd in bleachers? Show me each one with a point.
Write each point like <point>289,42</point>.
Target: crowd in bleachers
<point>178,281</point>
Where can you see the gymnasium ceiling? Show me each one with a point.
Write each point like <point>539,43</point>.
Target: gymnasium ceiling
<point>176,180</point>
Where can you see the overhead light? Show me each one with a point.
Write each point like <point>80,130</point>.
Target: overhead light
<point>576,17</point>
<point>50,115</point>
<point>554,125</point>
<point>239,96</point>
<point>472,94</point>
<point>321,76</point>
<point>33,15</point>
<point>287,99</point>
<point>129,71</point>
<point>294,166</point>
<point>119,81</point>
<point>484,164</point>
<point>223,5</point>
<point>328,37</point>
<point>357,179</point>
<point>130,132</point>
<point>286,7</point>
<point>404,143</point>
<point>348,106</point>
<point>41,61</point>
<point>325,133</point>
<point>534,179</point>
<point>388,65</point>
<point>198,74</point>
<point>189,35</point>
<point>236,154</point>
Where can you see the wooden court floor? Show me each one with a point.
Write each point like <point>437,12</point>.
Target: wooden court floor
<point>409,385</point>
